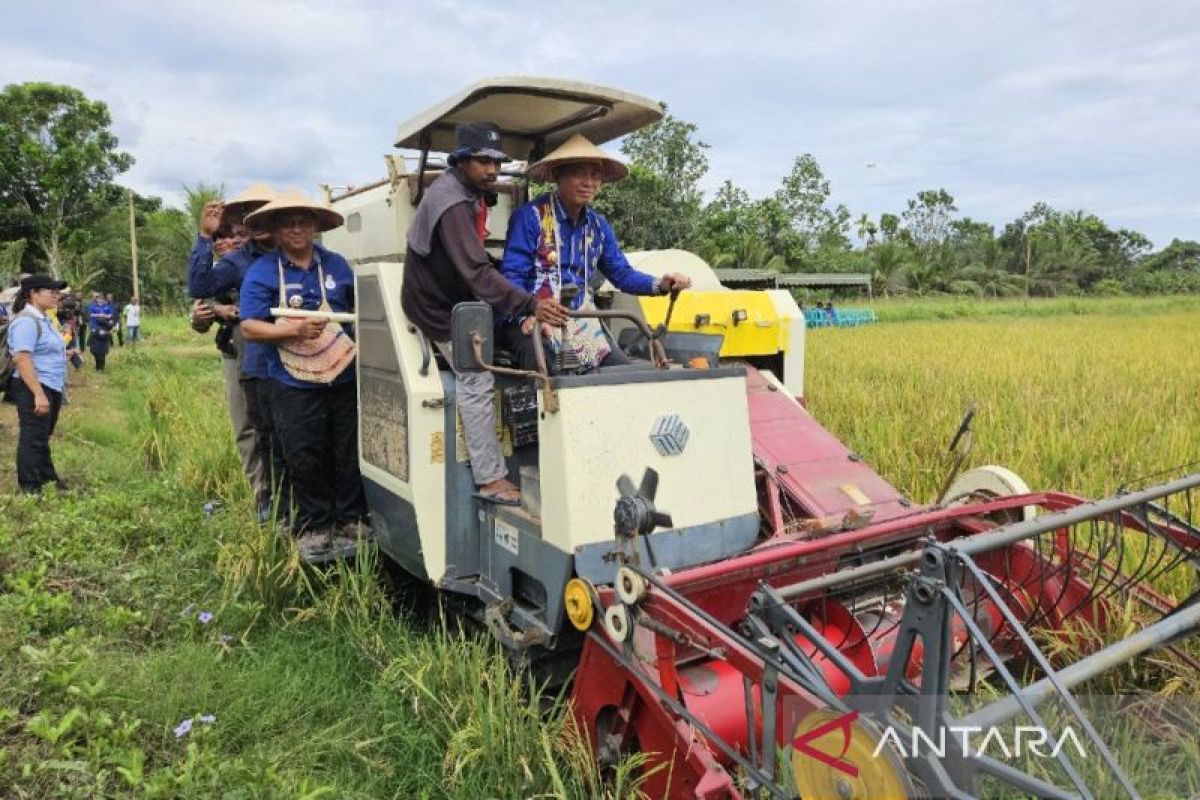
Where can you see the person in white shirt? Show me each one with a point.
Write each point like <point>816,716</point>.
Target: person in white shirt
<point>133,320</point>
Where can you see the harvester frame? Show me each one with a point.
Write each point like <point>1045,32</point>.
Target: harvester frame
<point>762,588</point>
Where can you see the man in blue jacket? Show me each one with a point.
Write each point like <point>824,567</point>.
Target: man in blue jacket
<point>558,240</point>
<point>243,363</point>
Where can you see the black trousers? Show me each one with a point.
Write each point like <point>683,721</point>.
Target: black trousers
<point>34,465</point>
<point>521,346</point>
<point>258,408</point>
<point>99,345</point>
<point>317,429</point>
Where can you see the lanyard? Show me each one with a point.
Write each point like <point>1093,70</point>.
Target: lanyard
<point>583,255</point>
<point>283,303</point>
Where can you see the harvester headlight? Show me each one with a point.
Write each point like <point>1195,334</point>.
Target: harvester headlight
<point>702,320</point>
<point>740,316</point>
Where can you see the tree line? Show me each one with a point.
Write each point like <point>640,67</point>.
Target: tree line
<point>62,211</point>
<point>925,248</point>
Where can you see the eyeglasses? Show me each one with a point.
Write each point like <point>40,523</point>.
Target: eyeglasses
<point>302,221</point>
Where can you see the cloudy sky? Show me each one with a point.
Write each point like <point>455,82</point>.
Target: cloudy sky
<point>1082,104</point>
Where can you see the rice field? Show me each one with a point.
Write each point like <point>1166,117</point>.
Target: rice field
<point>1078,403</point>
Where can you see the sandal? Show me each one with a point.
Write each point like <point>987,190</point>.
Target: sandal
<point>508,495</point>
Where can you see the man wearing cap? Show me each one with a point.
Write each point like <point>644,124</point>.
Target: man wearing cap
<point>244,364</point>
<point>558,240</point>
<point>38,380</point>
<point>446,264</point>
<point>313,397</point>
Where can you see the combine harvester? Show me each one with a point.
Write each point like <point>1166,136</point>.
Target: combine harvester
<point>761,613</point>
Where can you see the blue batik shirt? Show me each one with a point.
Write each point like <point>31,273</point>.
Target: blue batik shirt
<point>260,293</point>
<point>546,250</point>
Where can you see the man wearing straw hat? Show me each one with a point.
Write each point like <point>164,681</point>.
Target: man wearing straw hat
<point>558,240</point>
<point>446,264</point>
<point>310,366</point>
<point>243,363</point>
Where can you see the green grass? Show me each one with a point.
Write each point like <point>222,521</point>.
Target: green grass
<point>949,308</point>
<point>317,687</point>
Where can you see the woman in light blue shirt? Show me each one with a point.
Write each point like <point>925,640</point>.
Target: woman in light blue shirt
<point>38,380</point>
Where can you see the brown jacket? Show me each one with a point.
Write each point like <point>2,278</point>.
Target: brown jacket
<point>456,270</point>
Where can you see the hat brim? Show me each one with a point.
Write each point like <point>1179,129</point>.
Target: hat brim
<point>611,170</point>
<point>237,210</point>
<point>50,284</point>
<point>326,218</point>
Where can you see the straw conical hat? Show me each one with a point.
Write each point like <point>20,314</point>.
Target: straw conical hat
<point>252,197</point>
<point>290,200</point>
<point>573,151</point>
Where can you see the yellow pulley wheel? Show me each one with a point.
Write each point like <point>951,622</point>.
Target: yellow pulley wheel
<point>579,597</point>
<point>834,758</point>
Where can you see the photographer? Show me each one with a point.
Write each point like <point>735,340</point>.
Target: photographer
<point>223,233</point>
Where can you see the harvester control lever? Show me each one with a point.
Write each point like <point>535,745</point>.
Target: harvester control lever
<point>964,428</point>
<point>665,325</point>
<point>959,449</point>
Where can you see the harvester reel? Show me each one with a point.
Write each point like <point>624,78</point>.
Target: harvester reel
<point>847,749</point>
<point>989,483</point>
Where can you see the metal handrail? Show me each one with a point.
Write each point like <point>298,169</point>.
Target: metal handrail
<point>426,352</point>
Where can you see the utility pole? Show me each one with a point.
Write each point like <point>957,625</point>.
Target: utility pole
<point>133,248</point>
<point>1028,261</point>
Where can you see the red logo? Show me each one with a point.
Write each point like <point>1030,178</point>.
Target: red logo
<point>803,744</point>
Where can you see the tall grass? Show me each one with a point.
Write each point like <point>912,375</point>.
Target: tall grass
<point>130,595</point>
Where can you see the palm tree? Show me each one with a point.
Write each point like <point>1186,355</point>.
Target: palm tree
<point>195,198</point>
<point>867,228</point>
<point>888,263</point>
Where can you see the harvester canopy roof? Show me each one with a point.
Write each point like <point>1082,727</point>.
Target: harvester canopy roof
<point>531,113</point>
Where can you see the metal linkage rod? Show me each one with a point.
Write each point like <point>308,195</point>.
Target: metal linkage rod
<point>995,539</point>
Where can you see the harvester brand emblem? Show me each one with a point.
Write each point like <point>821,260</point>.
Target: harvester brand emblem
<point>669,435</point>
